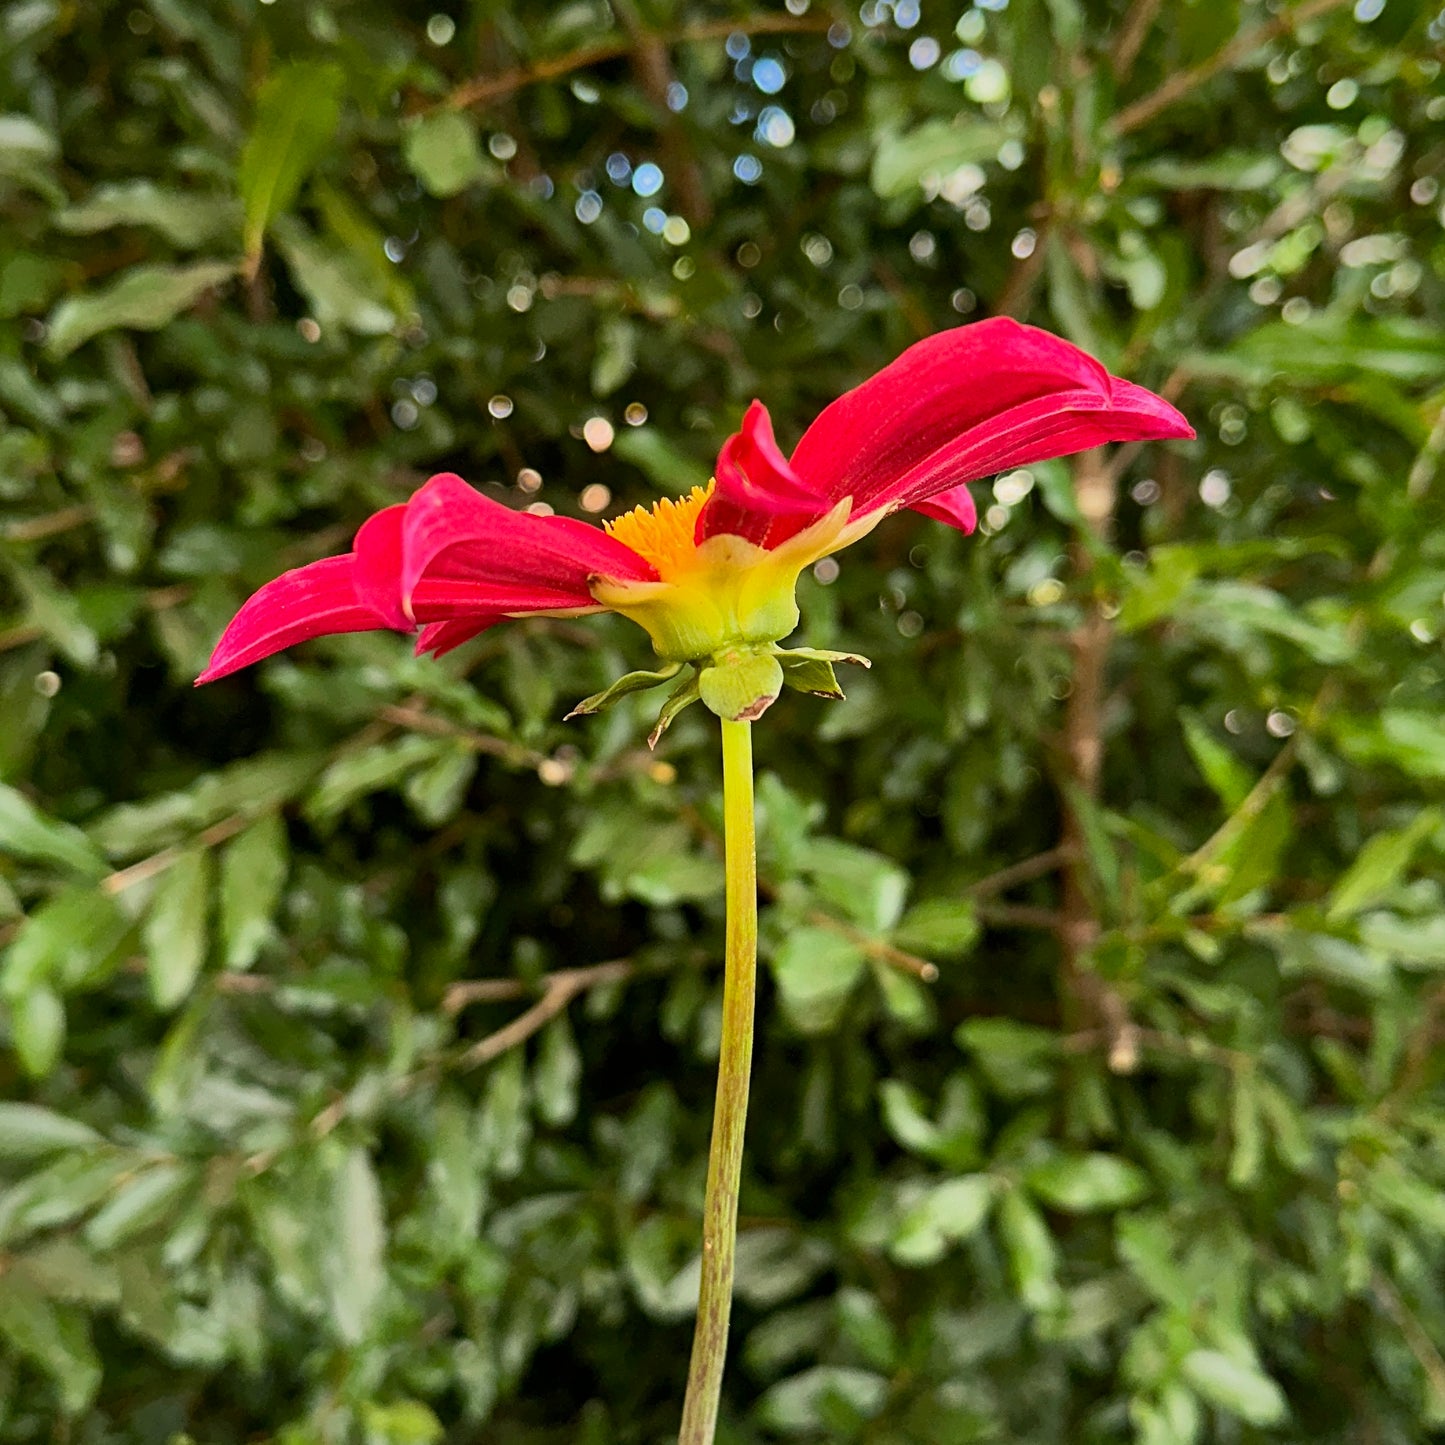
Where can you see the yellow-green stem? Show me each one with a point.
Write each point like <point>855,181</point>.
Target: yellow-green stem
<point>725,1162</point>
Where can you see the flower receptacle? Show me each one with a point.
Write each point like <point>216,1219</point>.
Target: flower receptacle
<point>739,685</point>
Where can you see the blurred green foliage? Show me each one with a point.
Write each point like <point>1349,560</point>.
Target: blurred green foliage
<point>1151,769</point>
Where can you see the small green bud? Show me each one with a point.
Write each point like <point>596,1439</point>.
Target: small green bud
<point>741,686</point>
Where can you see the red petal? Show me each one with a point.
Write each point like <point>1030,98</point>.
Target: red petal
<point>439,638</point>
<point>377,571</point>
<point>306,602</point>
<point>464,553</point>
<point>755,484</point>
<point>954,508</point>
<point>965,404</point>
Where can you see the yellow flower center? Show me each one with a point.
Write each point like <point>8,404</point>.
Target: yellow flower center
<point>727,594</point>
<point>663,533</point>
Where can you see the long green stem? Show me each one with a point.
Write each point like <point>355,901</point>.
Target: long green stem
<point>725,1162</point>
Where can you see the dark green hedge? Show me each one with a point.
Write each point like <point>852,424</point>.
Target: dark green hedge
<point>1150,769</point>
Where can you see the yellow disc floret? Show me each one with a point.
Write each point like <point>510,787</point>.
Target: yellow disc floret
<point>663,533</point>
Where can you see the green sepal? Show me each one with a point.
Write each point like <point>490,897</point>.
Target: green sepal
<point>810,675</point>
<point>632,682</point>
<point>818,654</point>
<point>683,695</point>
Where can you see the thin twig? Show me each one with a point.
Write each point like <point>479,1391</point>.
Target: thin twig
<point>1416,1335</point>
<point>416,718</point>
<point>1020,872</point>
<point>1020,915</point>
<point>652,68</point>
<point>1186,82</point>
<point>558,990</point>
<point>1132,34</point>
<point>489,87</point>
<point>124,878</point>
<point>1154,1041</point>
<point>875,947</point>
<point>35,529</point>
<point>1427,461</point>
<point>1079,928</point>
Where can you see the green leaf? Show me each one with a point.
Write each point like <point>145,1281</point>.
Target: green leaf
<point>1019,1060</point>
<point>438,791</point>
<point>1031,1252</point>
<point>188,220</point>
<point>297,111</point>
<point>947,1213</point>
<point>816,970</point>
<point>616,357</point>
<point>355,1263</point>
<point>25,832</point>
<point>944,928</point>
<point>356,775</point>
<point>868,887</point>
<point>830,1398</point>
<point>145,298</point>
<point>936,149</point>
<point>253,874</point>
<point>140,1204</point>
<point>557,1073</point>
<point>72,940</point>
<point>1080,1183</point>
<point>37,1029</point>
<point>175,929</point>
<point>442,150</point>
<point>1413,942</point>
<point>740,686</point>
<point>54,1336</point>
<point>1242,1389</point>
<point>28,1131</point>
<point>61,1191</point>
<point>340,291</point>
<point>1379,866</point>
<point>1222,770</point>
<point>665,465</point>
<point>23,141</point>
<point>403,1422</point>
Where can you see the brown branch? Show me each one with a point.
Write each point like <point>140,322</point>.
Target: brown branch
<point>1020,872</point>
<point>558,990</point>
<point>653,69</point>
<point>124,878</point>
<point>1017,293</point>
<point>20,636</point>
<point>35,529</point>
<point>1020,915</point>
<point>1186,82</point>
<point>1422,1346</point>
<point>1079,928</point>
<point>1132,34</point>
<point>877,948</point>
<point>1086,1041</point>
<point>489,87</point>
<point>417,719</point>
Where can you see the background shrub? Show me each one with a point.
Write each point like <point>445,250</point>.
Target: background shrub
<point>1149,771</point>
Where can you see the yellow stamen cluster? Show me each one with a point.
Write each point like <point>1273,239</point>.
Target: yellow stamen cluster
<point>664,532</point>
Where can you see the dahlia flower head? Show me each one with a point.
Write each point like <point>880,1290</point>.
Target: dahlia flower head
<point>711,576</point>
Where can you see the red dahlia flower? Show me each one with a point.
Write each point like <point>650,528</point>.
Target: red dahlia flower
<point>711,576</point>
